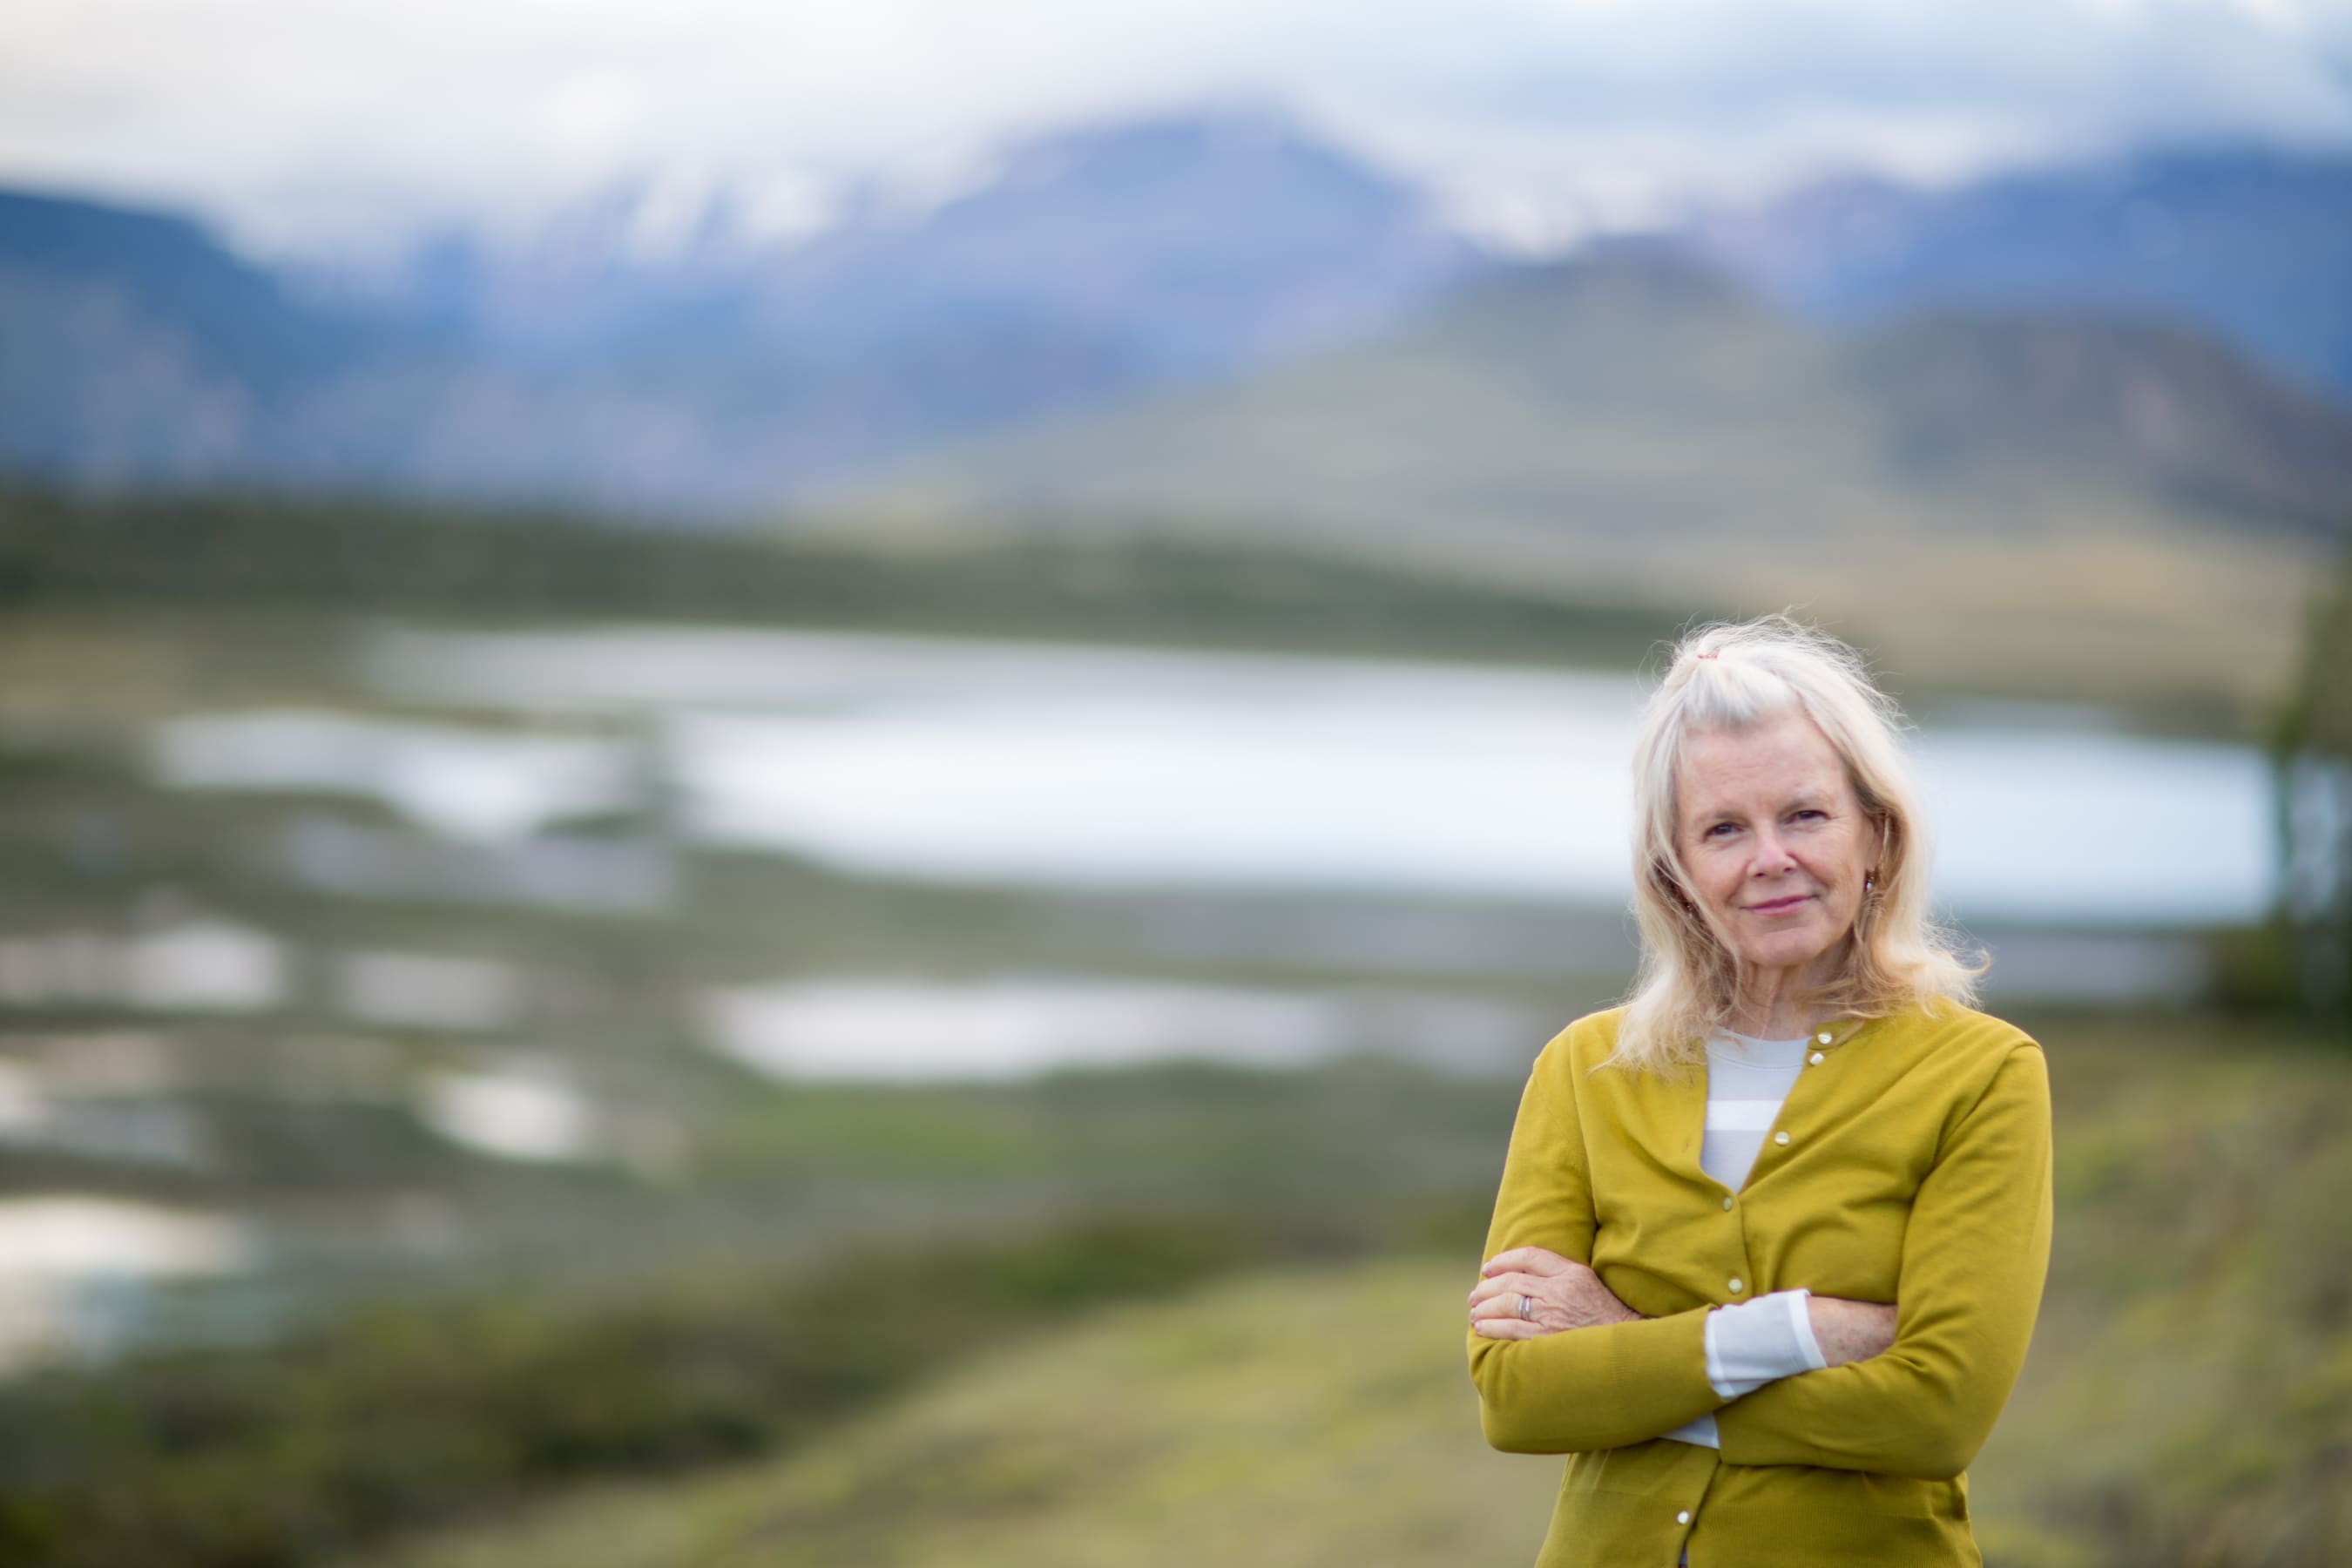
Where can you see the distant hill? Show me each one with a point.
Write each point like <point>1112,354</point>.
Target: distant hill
<point>2141,405</point>
<point>1635,423</point>
<point>1593,401</point>
<point>1531,403</point>
<point>2253,245</point>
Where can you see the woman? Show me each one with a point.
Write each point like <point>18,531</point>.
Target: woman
<point>1771,1236</point>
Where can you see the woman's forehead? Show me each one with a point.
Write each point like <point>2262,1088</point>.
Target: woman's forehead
<point>1786,755</point>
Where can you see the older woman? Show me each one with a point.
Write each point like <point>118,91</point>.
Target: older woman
<point>1771,1236</point>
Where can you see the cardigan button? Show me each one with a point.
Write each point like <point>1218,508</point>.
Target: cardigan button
<point>1779,1137</point>
<point>1823,1036</point>
<point>1729,1201</point>
<point>1736,1287</point>
<point>1816,1059</point>
<point>1682,1518</point>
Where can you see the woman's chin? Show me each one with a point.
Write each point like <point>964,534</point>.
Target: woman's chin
<point>1787,949</point>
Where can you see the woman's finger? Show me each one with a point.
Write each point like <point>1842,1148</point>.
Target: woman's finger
<point>1525,1260</point>
<point>1505,1305</point>
<point>1505,1329</point>
<point>1502,1285</point>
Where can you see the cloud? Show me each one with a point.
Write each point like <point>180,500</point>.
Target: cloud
<point>315,123</point>
<point>1545,121</point>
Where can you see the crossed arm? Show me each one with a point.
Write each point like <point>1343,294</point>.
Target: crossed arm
<point>1564,1294</point>
<point>1588,1372</point>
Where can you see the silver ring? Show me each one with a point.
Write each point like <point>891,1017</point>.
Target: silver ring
<point>1527,1307</point>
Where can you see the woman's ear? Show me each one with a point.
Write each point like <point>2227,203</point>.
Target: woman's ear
<point>1663,876</point>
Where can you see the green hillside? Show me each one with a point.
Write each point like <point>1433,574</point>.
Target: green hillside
<point>2186,1402</point>
<point>1296,1417</point>
<point>2013,504</point>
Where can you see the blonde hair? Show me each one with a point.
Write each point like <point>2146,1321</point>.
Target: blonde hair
<point>1732,678</point>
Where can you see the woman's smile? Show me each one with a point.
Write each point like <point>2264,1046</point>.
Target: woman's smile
<point>1780,906</point>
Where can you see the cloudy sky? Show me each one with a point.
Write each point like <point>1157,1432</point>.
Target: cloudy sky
<point>333,125</point>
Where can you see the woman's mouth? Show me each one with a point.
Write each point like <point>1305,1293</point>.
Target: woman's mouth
<point>1780,906</point>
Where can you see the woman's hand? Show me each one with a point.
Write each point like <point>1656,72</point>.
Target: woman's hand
<point>1561,1295</point>
<point>1565,1295</point>
<point>1850,1331</point>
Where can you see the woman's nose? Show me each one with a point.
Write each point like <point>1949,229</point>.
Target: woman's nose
<point>1772,856</point>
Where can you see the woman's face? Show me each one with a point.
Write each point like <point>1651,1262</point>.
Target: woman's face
<point>1774,843</point>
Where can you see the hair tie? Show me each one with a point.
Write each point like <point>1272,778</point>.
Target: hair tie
<point>1710,653</point>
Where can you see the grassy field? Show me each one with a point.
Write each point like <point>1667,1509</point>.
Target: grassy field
<point>1296,1417</point>
<point>2187,1402</point>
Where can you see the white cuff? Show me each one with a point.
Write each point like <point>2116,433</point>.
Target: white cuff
<point>1760,1342</point>
<point>1800,1321</point>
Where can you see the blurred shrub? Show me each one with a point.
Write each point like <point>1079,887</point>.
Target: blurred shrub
<point>351,554</point>
<point>404,1415</point>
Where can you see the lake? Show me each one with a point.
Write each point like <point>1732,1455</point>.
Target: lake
<point>962,761</point>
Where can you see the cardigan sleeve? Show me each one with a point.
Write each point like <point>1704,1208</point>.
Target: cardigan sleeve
<point>1598,1387</point>
<point>1975,1251</point>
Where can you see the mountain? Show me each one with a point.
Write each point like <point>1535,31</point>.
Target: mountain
<point>232,317</point>
<point>1638,388</point>
<point>1203,244</point>
<point>655,350</point>
<point>1635,425</point>
<point>134,347</point>
<point>2144,405</point>
<point>690,349</point>
<point>2253,245</point>
<point>1197,242</point>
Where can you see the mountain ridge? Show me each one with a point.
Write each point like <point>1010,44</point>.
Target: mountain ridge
<point>1101,262</point>
<point>725,374</point>
<point>2251,244</point>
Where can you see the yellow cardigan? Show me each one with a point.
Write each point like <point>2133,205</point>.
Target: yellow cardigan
<point>1910,1163</point>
